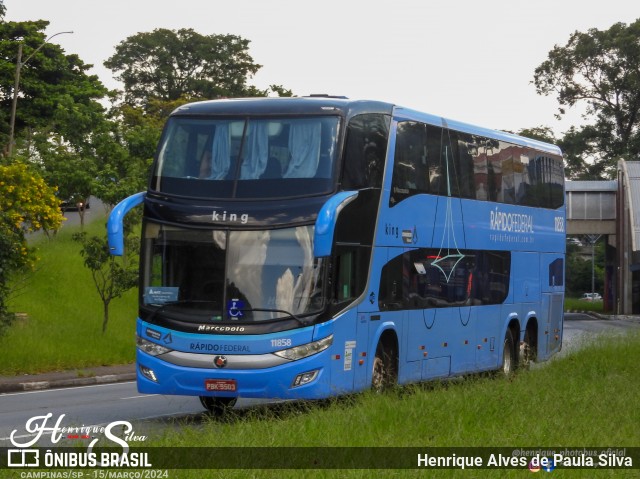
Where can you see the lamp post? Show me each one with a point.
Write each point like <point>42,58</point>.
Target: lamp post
<point>593,239</point>
<point>16,85</point>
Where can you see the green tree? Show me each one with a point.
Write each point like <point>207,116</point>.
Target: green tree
<point>600,69</point>
<point>27,204</point>
<point>126,151</point>
<point>281,91</point>
<point>26,200</point>
<point>579,269</point>
<point>111,278</point>
<point>14,258</point>
<point>170,65</point>
<point>119,173</point>
<point>583,157</point>
<point>71,172</point>
<point>540,133</point>
<point>56,93</point>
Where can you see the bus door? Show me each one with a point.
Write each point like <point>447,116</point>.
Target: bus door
<point>344,363</point>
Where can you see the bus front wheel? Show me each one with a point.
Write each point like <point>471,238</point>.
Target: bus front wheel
<point>509,359</point>
<point>384,374</point>
<point>217,405</point>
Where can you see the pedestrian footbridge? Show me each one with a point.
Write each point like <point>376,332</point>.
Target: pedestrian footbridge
<point>612,209</point>
<point>591,207</point>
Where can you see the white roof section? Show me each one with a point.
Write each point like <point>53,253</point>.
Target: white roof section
<point>587,186</point>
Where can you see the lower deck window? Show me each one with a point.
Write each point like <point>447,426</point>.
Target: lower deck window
<point>429,278</point>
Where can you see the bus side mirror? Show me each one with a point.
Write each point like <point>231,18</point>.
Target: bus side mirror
<point>326,222</point>
<point>115,234</point>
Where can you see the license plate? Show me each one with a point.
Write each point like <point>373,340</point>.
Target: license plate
<point>227,385</point>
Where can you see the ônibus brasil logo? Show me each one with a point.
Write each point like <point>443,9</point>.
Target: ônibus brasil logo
<point>27,455</point>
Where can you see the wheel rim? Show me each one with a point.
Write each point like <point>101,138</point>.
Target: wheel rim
<point>506,359</point>
<point>525,355</point>
<point>377,380</point>
<point>527,351</point>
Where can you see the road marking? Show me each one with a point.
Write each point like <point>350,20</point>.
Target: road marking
<point>40,391</point>
<point>142,396</point>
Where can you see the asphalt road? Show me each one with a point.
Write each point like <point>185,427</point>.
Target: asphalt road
<point>87,406</point>
<point>100,405</point>
<point>95,211</point>
<point>580,327</point>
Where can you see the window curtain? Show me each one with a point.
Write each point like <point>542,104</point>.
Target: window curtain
<point>256,151</point>
<point>220,152</point>
<point>304,148</point>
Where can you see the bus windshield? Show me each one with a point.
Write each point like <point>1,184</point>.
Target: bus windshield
<point>247,158</point>
<point>231,275</point>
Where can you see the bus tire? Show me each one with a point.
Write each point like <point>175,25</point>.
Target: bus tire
<point>217,405</point>
<point>509,359</point>
<point>384,374</point>
<point>527,352</point>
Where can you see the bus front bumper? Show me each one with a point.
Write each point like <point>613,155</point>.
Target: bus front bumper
<point>306,378</point>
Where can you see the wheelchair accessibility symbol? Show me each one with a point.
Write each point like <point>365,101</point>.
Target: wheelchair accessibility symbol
<point>234,308</point>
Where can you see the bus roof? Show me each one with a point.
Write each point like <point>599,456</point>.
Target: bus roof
<point>327,105</point>
<point>409,114</point>
<point>316,105</point>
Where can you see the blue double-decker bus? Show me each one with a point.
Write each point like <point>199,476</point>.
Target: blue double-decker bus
<point>312,247</point>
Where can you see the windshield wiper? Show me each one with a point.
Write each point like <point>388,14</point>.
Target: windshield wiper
<point>160,307</point>
<point>265,310</point>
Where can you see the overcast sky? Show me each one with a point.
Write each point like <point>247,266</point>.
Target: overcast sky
<point>469,60</point>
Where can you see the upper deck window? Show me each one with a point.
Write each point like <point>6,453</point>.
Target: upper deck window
<point>247,158</point>
<point>433,160</point>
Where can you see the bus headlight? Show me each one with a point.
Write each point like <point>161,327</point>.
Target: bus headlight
<point>306,350</point>
<point>150,348</point>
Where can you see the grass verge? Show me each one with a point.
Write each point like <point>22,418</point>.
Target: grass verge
<point>588,398</point>
<point>576,304</point>
<point>61,325</point>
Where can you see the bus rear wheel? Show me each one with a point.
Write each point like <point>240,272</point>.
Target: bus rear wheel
<point>527,351</point>
<point>217,405</point>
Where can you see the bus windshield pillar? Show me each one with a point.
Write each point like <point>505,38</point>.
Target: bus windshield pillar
<point>326,222</point>
<point>115,234</point>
